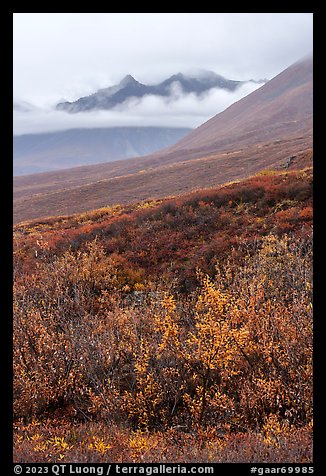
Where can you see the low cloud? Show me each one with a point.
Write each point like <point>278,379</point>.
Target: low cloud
<point>179,110</point>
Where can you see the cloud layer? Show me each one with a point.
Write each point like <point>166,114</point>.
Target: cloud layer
<point>66,55</point>
<point>177,111</point>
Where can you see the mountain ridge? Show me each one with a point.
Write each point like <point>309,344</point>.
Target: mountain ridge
<point>129,87</point>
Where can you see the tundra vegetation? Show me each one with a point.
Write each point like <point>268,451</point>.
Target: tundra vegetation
<point>176,330</point>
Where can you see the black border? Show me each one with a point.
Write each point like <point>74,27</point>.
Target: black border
<point>6,266</point>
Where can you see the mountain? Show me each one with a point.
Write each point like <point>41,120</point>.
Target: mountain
<point>270,128</point>
<point>280,108</point>
<point>108,98</point>
<point>33,153</point>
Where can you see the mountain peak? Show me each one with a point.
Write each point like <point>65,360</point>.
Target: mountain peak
<point>197,83</point>
<point>127,80</point>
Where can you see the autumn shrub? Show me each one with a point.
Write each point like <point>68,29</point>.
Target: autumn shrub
<point>179,324</point>
<point>233,354</point>
<point>274,298</point>
<point>53,312</point>
<point>94,442</point>
<point>191,230</point>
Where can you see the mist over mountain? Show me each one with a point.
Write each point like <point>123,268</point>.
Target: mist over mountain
<point>197,83</point>
<point>281,108</point>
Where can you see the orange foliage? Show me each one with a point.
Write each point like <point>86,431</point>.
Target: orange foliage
<point>195,314</point>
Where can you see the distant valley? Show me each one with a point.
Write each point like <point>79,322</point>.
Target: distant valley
<point>34,153</point>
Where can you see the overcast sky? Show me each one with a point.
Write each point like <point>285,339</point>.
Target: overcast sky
<point>63,56</point>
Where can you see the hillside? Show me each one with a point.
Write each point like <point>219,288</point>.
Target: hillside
<point>270,128</point>
<point>172,322</point>
<point>34,153</point>
<point>84,192</point>
<point>187,230</point>
<point>280,108</point>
